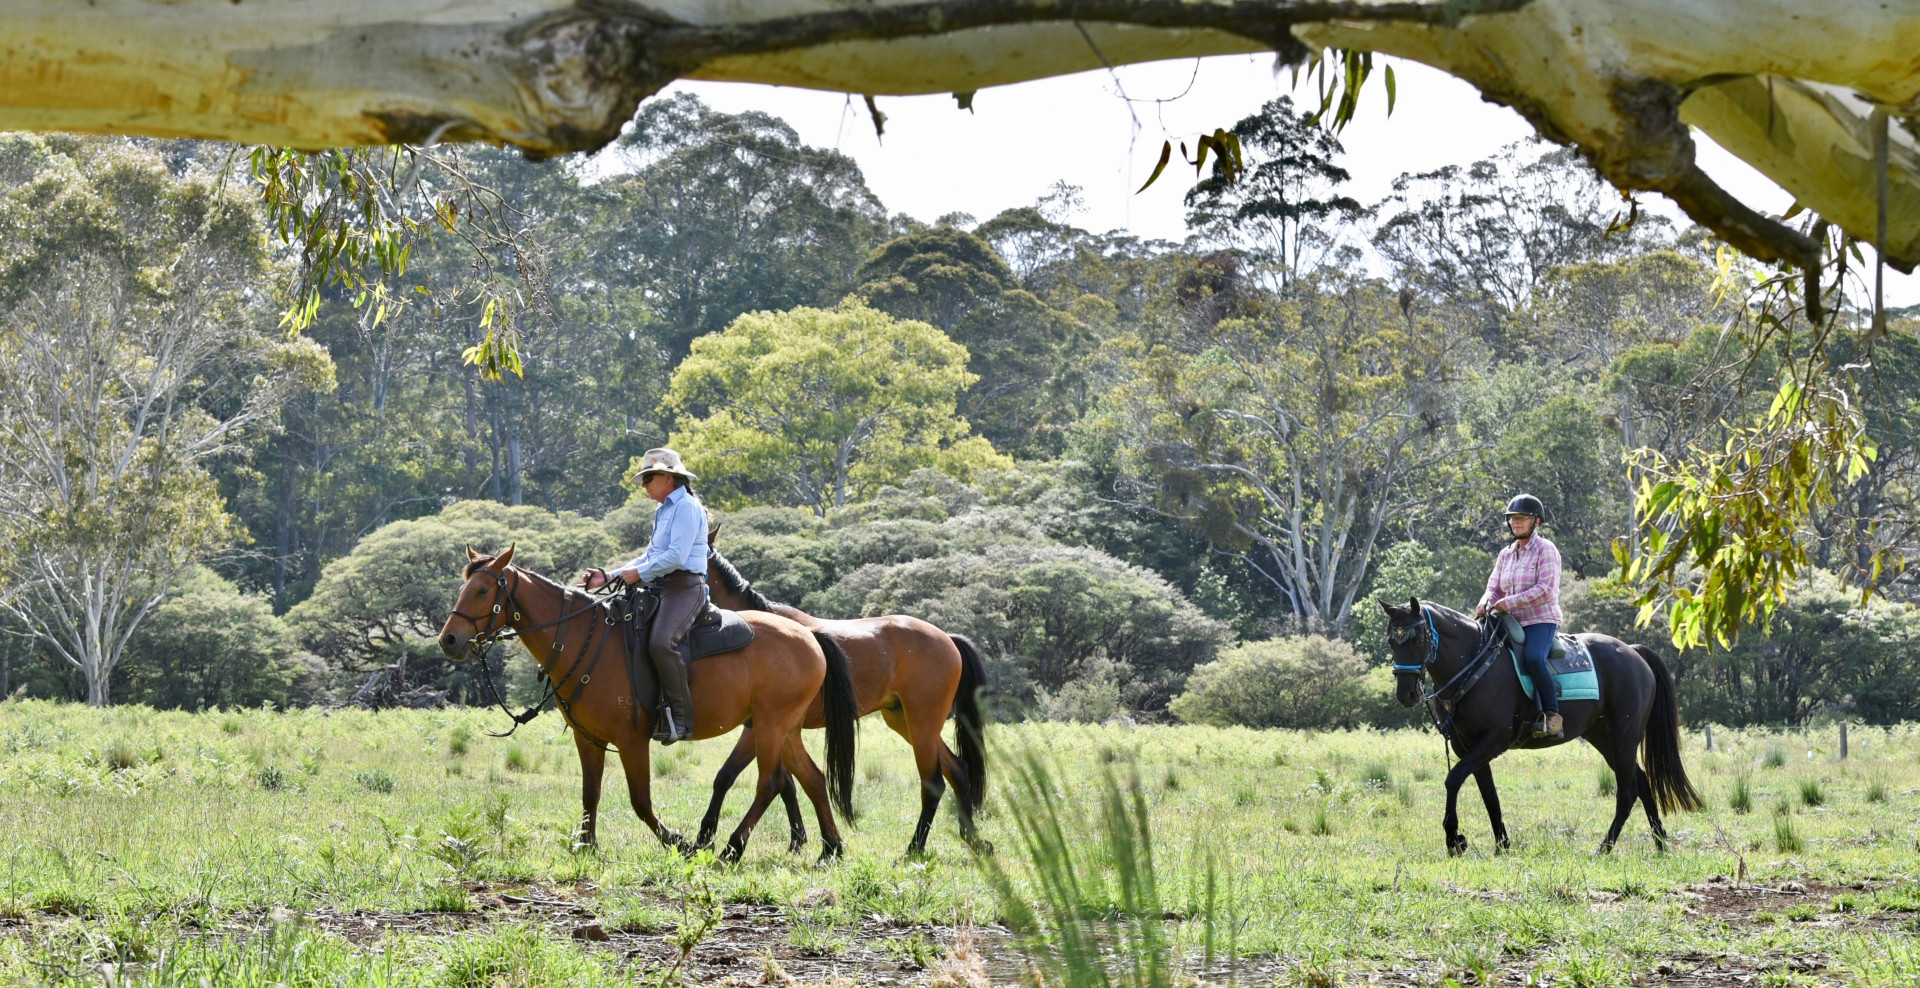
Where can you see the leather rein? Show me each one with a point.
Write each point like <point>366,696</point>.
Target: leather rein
<point>501,629</point>
<point>1443,702</point>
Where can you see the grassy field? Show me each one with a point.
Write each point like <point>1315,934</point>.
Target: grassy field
<point>408,848</point>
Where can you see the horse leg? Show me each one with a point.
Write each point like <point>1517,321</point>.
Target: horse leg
<point>634,761</point>
<point>963,798</point>
<point>1491,796</point>
<point>796,824</point>
<point>737,760</point>
<point>593,765</point>
<point>926,761</point>
<point>1475,758</point>
<point>797,764</point>
<point>1648,801</point>
<point>766,753</point>
<point>1626,775</point>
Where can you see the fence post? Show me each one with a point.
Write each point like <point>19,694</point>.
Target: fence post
<point>1709,735</point>
<point>1843,740</point>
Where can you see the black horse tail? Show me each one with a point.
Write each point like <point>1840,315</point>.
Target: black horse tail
<point>966,714</point>
<point>843,710</point>
<point>1661,748</point>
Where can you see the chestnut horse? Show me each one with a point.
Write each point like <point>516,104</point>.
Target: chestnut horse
<point>770,683</point>
<point>912,672</point>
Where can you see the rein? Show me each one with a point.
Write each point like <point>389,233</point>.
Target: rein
<point>499,630</point>
<point>1443,702</point>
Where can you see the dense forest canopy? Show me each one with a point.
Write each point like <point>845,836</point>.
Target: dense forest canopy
<point>1112,462</point>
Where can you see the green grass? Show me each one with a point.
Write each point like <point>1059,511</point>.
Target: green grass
<point>1811,794</point>
<point>1325,849</point>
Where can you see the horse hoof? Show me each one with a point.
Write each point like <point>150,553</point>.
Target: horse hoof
<point>1606,847</point>
<point>829,853</point>
<point>1502,846</point>
<point>797,844</point>
<point>981,845</point>
<point>1456,847</point>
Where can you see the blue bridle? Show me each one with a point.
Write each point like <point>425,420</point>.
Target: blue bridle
<point>1433,646</point>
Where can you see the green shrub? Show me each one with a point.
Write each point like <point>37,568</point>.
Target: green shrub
<point>1305,682</point>
<point>210,644</point>
<point>375,780</point>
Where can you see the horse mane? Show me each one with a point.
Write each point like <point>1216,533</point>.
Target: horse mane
<point>737,584</point>
<point>474,566</point>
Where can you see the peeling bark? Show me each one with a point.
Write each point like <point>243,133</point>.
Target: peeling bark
<point>1774,81</point>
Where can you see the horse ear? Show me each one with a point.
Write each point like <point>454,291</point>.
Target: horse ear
<point>1388,608</point>
<point>499,564</point>
<point>472,555</point>
<point>1413,604</point>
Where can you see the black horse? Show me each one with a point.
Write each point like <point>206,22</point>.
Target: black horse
<point>1480,707</point>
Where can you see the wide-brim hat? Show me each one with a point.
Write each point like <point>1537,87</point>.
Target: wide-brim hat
<point>662,460</point>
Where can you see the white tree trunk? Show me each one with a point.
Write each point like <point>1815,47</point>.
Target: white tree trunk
<point>1770,79</point>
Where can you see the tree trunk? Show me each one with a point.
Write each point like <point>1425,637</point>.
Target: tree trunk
<point>513,464</point>
<point>1614,77</point>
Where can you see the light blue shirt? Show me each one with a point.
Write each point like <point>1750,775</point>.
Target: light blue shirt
<point>679,538</point>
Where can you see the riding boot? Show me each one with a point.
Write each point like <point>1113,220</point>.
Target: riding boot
<point>676,704</point>
<point>1550,725</point>
<point>682,595</point>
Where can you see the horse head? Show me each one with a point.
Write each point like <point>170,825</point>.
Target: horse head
<point>1412,639</point>
<point>481,608</point>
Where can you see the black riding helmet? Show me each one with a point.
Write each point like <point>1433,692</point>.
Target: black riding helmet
<point>1526,504</point>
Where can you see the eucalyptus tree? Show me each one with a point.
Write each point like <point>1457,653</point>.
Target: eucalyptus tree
<point>134,349</point>
<point>730,213</point>
<point>1289,200</point>
<point>1025,355</point>
<point>1292,437</point>
<point>819,407</point>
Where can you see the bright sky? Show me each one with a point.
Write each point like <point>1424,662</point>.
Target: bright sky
<point>936,158</point>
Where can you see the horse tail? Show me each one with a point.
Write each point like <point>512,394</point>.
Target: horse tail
<point>1660,749</point>
<point>843,710</point>
<point>967,716</point>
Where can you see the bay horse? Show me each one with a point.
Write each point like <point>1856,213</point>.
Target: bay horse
<point>769,683</point>
<point>913,673</point>
<point>1482,711</point>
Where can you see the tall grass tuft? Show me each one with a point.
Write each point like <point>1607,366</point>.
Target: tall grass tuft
<point>1810,793</point>
<point>1100,916</point>
<point>1603,782</point>
<point>1776,756</point>
<point>1784,839</point>
<point>1742,799</point>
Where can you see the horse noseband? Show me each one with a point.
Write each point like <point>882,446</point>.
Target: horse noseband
<point>1433,647</point>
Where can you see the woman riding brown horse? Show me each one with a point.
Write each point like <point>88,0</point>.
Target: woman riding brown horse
<point>771,682</point>
<point>912,672</point>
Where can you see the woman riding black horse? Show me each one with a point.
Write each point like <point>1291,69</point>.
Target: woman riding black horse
<point>1526,585</point>
<point>1482,710</point>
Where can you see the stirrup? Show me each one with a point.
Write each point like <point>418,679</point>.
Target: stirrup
<point>668,732</point>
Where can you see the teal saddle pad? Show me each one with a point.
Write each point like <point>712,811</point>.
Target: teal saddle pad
<point>1573,672</point>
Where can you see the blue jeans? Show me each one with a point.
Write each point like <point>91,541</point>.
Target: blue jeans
<point>1534,657</point>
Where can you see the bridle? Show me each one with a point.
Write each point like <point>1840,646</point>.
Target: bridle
<point>1443,701</point>
<point>499,629</point>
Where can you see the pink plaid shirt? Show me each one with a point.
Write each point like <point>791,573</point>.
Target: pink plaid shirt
<point>1527,581</point>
